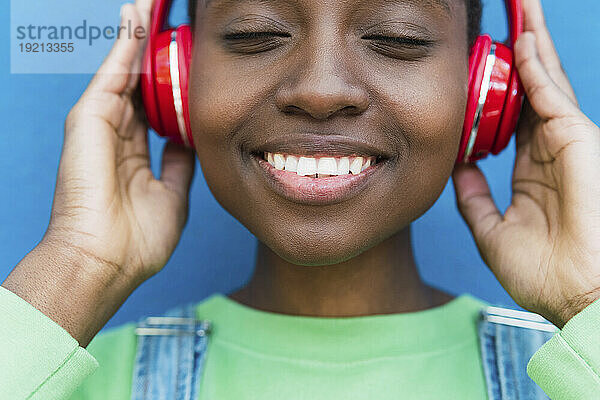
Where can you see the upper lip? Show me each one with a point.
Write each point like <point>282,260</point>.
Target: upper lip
<point>321,145</point>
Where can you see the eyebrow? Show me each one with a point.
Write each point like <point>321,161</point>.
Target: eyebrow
<point>432,4</point>
<point>443,4</point>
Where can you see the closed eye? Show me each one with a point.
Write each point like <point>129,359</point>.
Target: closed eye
<point>248,35</point>
<point>254,42</point>
<point>401,40</point>
<point>400,47</point>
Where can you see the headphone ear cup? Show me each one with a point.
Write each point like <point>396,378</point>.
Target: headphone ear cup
<point>492,121</point>
<point>500,63</point>
<point>147,84</point>
<point>157,89</point>
<point>164,86</point>
<point>165,83</point>
<point>184,39</point>
<point>515,95</point>
<point>477,61</point>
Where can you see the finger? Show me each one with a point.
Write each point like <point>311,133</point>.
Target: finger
<point>121,115</point>
<point>145,10</point>
<point>177,168</point>
<point>115,73</point>
<point>133,132</point>
<point>525,127</point>
<point>475,203</point>
<point>535,22</point>
<point>546,98</point>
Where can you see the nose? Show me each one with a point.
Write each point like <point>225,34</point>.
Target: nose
<point>320,85</point>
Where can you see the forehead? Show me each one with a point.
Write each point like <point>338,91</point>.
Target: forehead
<point>444,6</point>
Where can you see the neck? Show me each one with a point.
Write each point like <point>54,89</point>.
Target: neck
<point>381,280</point>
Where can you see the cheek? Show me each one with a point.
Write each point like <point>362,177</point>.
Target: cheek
<point>221,100</point>
<point>224,93</point>
<point>436,112</point>
<point>425,103</point>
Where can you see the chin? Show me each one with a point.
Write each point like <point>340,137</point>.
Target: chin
<point>319,247</point>
<point>315,255</point>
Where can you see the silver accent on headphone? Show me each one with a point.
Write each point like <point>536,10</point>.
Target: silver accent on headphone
<point>175,84</point>
<point>485,87</point>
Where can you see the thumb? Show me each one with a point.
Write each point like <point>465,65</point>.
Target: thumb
<point>474,201</point>
<point>177,168</point>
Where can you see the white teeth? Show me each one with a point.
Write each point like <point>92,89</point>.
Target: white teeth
<point>279,161</point>
<point>327,166</point>
<point>319,167</point>
<point>366,165</point>
<point>344,166</point>
<point>307,166</point>
<point>356,165</point>
<point>291,163</point>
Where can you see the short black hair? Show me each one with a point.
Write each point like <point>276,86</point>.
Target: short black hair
<point>474,11</point>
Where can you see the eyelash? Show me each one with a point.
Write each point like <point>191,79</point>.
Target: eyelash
<point>272,38</point>
<point>402,40</point>
<point>245,35</point>
<point>253,42</point>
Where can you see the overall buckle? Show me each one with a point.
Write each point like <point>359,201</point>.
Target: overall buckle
<point>521,319</point>
<point>173,326</point>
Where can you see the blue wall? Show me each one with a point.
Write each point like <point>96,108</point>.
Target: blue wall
<point>216,253</point>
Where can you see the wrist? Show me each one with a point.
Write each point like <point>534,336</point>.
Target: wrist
<point>575,304</point>
<point>74,289</point>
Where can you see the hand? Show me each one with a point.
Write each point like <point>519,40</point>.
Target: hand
<point>113,225</point>
<point>545,249</point>
<point>107,202</point>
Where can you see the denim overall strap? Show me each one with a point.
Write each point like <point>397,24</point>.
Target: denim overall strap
<point>508,338</point>
<point>170,355</point>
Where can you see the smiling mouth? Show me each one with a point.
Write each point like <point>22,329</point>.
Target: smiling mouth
<point>319,180</point>
<point>321,169</point>
<point>323,166</point>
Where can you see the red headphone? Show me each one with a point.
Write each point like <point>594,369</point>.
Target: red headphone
<point>493,105</point>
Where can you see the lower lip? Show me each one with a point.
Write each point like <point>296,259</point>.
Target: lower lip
<point>316,191</point>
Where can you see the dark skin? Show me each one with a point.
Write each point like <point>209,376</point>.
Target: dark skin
<point>383,279</point>
<point>346,258</point>
<point>353,257</point>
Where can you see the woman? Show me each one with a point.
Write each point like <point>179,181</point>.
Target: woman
<point>308,89</point>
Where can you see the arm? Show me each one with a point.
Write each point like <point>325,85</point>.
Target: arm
<point>40,360</point>
<point>544,249</point>
<point>113,225</point>
<point>567,367</point>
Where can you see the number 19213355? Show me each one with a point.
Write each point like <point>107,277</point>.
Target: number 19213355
<point>43,47</point>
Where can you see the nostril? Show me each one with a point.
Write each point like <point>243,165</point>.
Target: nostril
<point>350,110</point>
<point>322,108</point>
<point>292,109</point>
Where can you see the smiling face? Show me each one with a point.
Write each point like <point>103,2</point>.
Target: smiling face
<point>326,79</point>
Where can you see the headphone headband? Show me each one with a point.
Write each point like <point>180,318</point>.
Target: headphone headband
<point>159,16</point>
<point>514,12</point>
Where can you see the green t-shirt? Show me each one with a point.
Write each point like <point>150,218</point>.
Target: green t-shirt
<point>261,355</point>
<point>252,354</point>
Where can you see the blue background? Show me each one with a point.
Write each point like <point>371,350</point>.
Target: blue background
<point>216,253</point>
